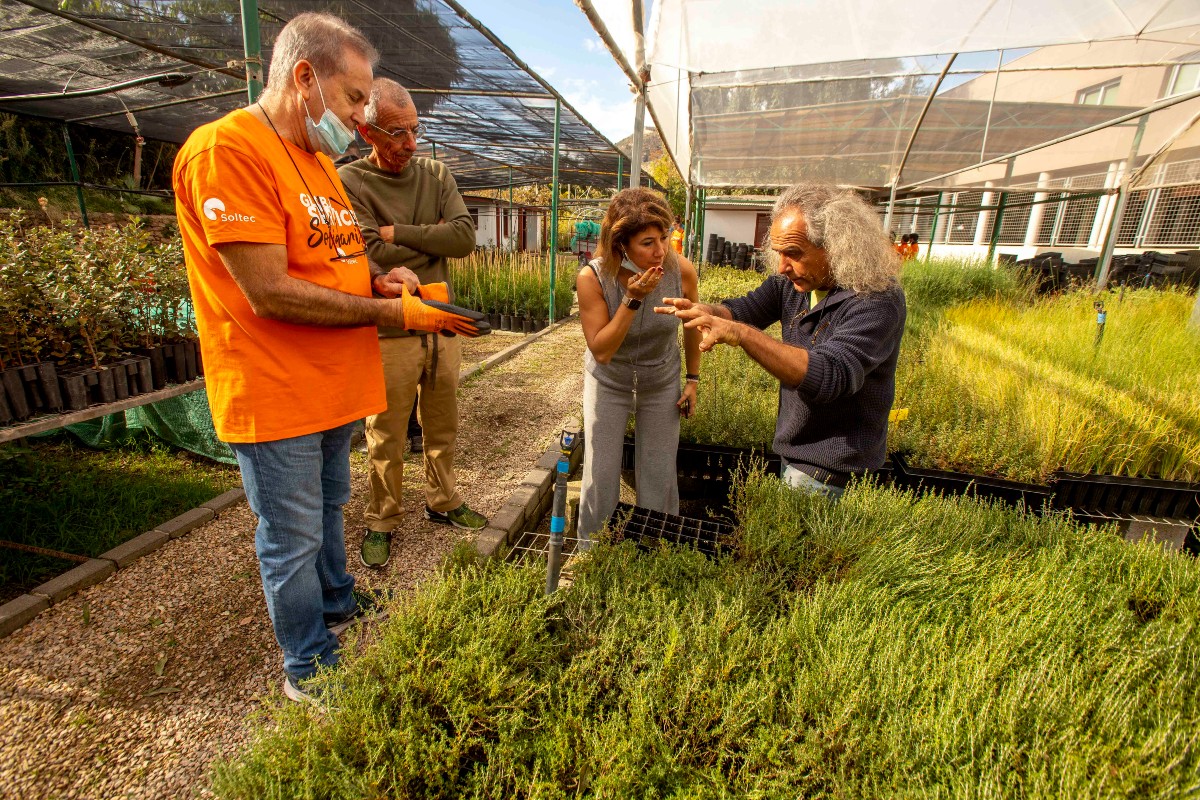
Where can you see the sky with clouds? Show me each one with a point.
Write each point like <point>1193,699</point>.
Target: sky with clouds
<point>557,41</point>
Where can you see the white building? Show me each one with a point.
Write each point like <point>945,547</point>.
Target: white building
<point>497,224</point>
<point>1040,213</point>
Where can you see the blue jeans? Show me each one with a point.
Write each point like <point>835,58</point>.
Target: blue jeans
<point>297,487</point>
<point>807,483</point>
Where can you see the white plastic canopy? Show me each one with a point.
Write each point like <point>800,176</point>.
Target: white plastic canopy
<point>921,95</point>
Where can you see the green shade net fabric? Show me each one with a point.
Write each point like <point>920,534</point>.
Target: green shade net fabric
<point>183,421</point>
<point>586,231</point>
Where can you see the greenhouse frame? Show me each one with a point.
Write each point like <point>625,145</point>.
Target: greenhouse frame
<point>1020,123</point>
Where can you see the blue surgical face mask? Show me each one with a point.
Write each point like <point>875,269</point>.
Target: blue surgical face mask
<point>329,136</point>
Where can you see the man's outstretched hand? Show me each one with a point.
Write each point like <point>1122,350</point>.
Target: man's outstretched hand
<point>715,328</point>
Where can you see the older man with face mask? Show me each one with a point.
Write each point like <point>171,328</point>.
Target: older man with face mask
<point>414,218</point>
<point>282,290</point>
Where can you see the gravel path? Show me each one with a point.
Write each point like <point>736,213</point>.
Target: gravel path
<point>132,687</point>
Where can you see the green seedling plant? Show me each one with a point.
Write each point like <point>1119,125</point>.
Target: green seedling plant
<point>885,646</point>
<point>505,282</point>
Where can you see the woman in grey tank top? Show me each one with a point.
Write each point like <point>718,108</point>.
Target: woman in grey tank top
<point>632,362</point>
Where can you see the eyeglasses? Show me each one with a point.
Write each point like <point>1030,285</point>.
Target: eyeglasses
<point>399,134</point>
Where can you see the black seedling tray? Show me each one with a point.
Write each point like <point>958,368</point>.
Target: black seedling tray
<point>649,528</point>
<point>1030,495</point>
<point>1113,494</point>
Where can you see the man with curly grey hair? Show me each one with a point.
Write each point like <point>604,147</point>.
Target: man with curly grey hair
<point>836,293</point>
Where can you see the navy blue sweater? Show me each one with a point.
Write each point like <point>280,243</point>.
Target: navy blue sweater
<point>837,417</point>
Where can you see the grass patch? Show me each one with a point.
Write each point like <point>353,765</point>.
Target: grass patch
<point>930,288</point>
<point>59,495</point>
<point>883,647</point>
<point>1020,391</point>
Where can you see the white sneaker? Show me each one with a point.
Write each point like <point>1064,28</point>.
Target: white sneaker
<point>294,692</point>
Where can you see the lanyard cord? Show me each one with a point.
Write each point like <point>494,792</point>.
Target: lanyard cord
<point>336,195</point>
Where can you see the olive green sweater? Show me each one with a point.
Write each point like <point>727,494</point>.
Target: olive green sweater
<point>430,221</point>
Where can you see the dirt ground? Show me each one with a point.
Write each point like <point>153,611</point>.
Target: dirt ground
<point>131,688</point>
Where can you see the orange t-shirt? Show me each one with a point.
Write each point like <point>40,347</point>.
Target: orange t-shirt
<point>677,240</point>
<point>237,181</point>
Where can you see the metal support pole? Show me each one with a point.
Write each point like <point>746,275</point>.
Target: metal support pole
<point>700,238</point>
<point>933,229</point>
<point>1104,265</point>
<point>620,168</point>
<point>510,209</point>
<point>434,146</point>
<point>554,205</point>
<point>996,226</point>
<point>75,175</point>
<point>252,45</point>
<point>887,219</point>
<point>688,229</point>
<point>635,159</point>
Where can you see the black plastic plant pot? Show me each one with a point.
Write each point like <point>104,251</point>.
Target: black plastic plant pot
<point>651,528</point>
<point>158,366</point>
<point>74,390</point>
<point>199,359</point>
<point>41,387</point>
<point>1112,494</point>
<point>179,359</point>
<point>1031,496</point>
<point>120,380</point>
<point>6,415</point>
<point>145,374</point>
<point>542,324</point>
<point>14,388</point>
<point>48,378</point>
<point>189,360</point>
<point>505,322</point>
<point>105,385</point>
<point>33,388</point>
<point>526,325</point>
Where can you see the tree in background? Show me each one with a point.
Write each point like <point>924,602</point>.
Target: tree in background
<point>662,169</point>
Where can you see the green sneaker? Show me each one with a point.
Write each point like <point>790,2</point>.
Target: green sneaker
<point>368,603</point>
<point>376,548</point>
<point>461,517</point>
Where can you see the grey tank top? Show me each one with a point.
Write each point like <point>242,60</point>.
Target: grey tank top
<point>651,347</point>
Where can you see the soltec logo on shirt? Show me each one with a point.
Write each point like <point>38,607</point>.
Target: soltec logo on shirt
<point>213,205</point>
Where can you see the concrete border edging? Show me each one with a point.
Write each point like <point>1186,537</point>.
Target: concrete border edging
<point>528,502</point>
<point>16,613</point>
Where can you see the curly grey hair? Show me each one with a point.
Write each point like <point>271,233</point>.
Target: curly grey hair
<point>320,39</point>
<point>860,256</point>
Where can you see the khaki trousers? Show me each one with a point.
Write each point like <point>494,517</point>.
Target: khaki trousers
<point>410,370</point>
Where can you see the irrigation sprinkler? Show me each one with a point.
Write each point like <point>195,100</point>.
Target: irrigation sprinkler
<point>1101,318</point>
<point>558,514</point>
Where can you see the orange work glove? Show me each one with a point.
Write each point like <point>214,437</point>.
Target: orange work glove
<point>435,291</point>
<point>420,317</point>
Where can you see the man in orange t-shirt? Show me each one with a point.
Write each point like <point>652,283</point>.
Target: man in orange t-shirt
<point>282,289</point>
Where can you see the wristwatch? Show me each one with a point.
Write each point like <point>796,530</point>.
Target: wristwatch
<point>632,303</point>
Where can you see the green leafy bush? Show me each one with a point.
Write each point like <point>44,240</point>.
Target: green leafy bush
<point>882,647</point>
<point>86,296</point>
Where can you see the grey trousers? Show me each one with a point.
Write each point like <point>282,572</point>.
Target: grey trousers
<point>605,414</point>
